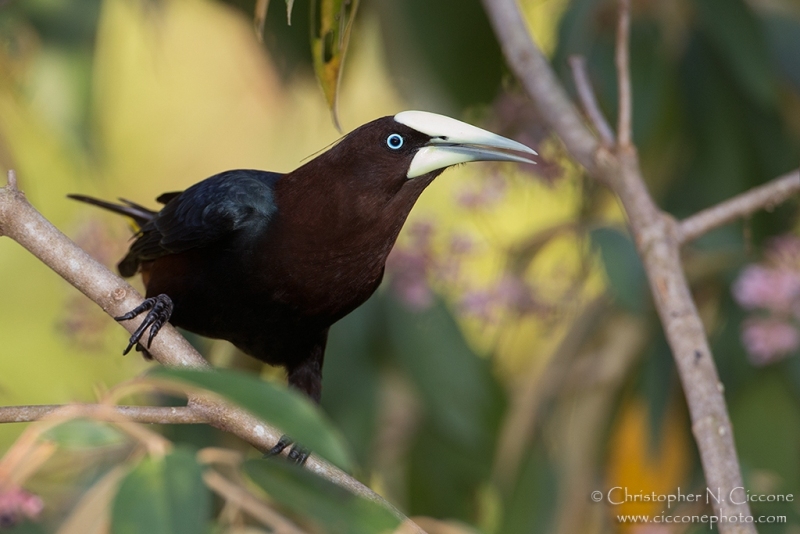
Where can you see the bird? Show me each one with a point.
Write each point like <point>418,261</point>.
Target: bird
<point>269,261</point>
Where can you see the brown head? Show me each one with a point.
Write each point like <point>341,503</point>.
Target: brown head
<point>377,171</point>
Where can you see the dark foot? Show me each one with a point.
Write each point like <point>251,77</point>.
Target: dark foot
<point>297,455</point>
<point>160,311</point>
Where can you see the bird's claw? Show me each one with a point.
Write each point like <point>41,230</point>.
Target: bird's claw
<point>297,454</point>
<point>160,311</point>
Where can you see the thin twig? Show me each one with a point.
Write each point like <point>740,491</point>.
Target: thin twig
<point>588,100</point>
<point>765,196</point>
<point>533,70</point>
<point>163,415</point>
<point>622,59</point>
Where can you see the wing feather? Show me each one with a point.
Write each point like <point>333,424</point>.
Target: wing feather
<point>204,214</point>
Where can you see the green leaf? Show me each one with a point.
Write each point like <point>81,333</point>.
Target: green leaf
<point>163,496</point>
<point>783,35</point>
<point>26,527</point>
<point>306,494</point>
<point>532,506</point>
<point>444,46</point>
<point>352,375</point>
<point>657,381</point>
<point>453,450</point>
<point>766,420</point>
<point>457,385</point>
<point>276,404</point>
<point>330,34</point>
<point>626,276</point>
<point>84,434</point>
<point>736,33</point>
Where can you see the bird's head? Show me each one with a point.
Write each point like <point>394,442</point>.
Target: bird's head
<point>413,147</point>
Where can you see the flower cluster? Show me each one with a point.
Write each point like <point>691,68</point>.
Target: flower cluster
<point>415,265</point>
<point>17,504</point>
<point>772,291</point>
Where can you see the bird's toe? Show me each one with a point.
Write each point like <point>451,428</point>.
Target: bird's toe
<point>160,310</point>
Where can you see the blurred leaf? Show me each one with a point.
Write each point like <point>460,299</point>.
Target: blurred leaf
<point>454,449</point>
<point>26,527</point>
<point>738,37</point>
<point>443,51</point>
<point>351,378</point>
<point>783,34</point>
<point>306,494</point>
<point>657,382</point>
<point>278,405</point>
<point>726,345</point>
<point>84,434</point>
<point>579,33</point>
<point>444,475</point>
<point>69,23</point>
<point>766,418</point>
<point>91,514</point>
<point>262,6</point>
<point>532,506</point>
<point>163,496</point>
<point>767,422</point>
<point>715,131</point>
<point>330,35</point>
<point>626,276</point>
<point>457,386</point>
<point>652,80</point>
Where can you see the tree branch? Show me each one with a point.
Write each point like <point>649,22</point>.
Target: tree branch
<point>160,415</point>
<point>21,222</point>
<point>533,70</point>
<point>655,235</point>
<point>589,102</point>
<point>765,196</point>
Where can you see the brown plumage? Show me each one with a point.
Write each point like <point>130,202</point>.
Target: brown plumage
<point>269,262</point>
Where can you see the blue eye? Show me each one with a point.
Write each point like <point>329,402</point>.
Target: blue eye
<point>394,141</point>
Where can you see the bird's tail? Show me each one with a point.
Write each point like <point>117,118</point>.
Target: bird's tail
<point>138,213</point>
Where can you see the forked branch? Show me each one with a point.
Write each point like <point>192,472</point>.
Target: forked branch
<point>656,235</point>
<point>765,196</point>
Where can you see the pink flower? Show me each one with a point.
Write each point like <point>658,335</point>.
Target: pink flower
<point>769,340</point>
<point>421,233</point>
<point>461,244</point>
<point>510,293</point>
<point>16,503</point>
<point>480,304</point>
<point>491,191</point>
<point>769,288</point>
<point>409,269</point>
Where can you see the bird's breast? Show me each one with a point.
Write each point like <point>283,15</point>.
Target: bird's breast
<point>325,273</point>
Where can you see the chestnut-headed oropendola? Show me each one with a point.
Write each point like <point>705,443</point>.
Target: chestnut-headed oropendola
<point>270,261</point>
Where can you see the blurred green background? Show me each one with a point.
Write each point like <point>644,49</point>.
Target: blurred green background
<point>512,363</point>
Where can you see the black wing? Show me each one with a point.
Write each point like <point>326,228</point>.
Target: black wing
<point>203,214</point>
